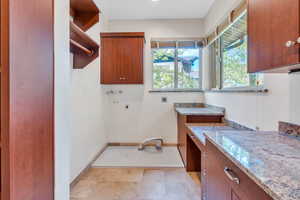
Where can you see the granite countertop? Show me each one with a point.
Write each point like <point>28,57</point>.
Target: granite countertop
<point>198,109</point>
<point>271,159</point>
<point>200,130</point>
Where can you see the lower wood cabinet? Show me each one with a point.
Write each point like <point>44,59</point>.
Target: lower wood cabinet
<point>225,181</point>
<point>183,136</point>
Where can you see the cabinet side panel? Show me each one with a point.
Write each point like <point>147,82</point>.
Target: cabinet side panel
<point>31,99</point>
<point>182,137</point>
<point>5,153</point>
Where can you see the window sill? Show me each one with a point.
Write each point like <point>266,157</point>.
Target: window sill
<point>238,91</point>
<point>175,91</point>
<point>262,90</point>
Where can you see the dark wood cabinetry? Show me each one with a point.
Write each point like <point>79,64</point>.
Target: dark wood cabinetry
<point>27,100</point>
<point>122,58</point>
<point>83,47</point>
<point>225,181</point>
<point>273,35</point>
<point>198,157</point>
<point>182,136</point>
<point>85,14</point>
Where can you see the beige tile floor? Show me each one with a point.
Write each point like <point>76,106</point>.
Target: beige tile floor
<point>137,184</point>
<point>129,156</point>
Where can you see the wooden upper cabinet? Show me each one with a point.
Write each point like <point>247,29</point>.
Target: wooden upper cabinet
<point>273,30</point>
<point>122,58</point>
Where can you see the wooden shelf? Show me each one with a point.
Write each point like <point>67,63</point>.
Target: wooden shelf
<point>85,13</point>
<point>84,48</point>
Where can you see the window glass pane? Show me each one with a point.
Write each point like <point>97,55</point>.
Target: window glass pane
<point>188,68</point>
<point>228,59</point>
<point>163,68</point>
<point>234,62</point>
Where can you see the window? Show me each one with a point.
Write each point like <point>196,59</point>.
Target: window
<point>176,65</point>
<point>230,58</point>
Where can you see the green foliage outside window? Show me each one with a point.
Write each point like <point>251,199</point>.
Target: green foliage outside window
<point>164,70</point>
<point>235,66</point>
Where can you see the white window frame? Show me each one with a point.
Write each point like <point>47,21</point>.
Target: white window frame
<point>219,85</point>
<point>176,89</point>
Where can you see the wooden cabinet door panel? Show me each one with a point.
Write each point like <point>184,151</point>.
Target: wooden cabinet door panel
<point>271,23</point>
<point>217,187</point>
<point>133,56</point>
<point>110,61</point>
<point>218,183</point>
<point>234,196</point>
<point>122,60</point>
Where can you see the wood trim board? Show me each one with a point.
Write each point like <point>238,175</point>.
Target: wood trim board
<point>27,99</point>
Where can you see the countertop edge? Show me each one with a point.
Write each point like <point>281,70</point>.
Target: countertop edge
<point>195,114</point>
<point>245,170</point>
<point>197,138</point>
<point>199,114</point>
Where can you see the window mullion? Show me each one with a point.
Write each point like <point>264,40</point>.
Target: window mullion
<point>221,63</point>
<point>176,67</point>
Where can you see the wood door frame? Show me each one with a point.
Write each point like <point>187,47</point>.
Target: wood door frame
<point>11,89</point>
<point>5,153</point>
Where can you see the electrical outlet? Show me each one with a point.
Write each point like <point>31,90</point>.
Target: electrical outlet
<point>164,99</point>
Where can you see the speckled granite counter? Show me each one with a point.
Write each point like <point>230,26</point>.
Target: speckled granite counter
<point>271,159</point>
<point>200,130</point>
<point>198,109</point>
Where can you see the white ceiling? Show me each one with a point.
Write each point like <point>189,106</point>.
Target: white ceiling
<point>162,9</point>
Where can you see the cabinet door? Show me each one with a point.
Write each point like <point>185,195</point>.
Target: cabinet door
<point>217,187</point>
<point>234,196</point>
<point>110,61</point>
<point>219,183</point>
<point>132,60</point>
<point>122,60</point>
<point>271,24</point>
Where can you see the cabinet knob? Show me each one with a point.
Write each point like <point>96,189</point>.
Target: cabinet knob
<point>122,78</point>
<point>290,43</point>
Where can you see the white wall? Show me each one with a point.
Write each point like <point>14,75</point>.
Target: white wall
<point>255,110</point>
<point>147,116</point>
<point>62,99</point>
<point>218,12</point>
<point>295,98</point>
<point>88,110</point>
